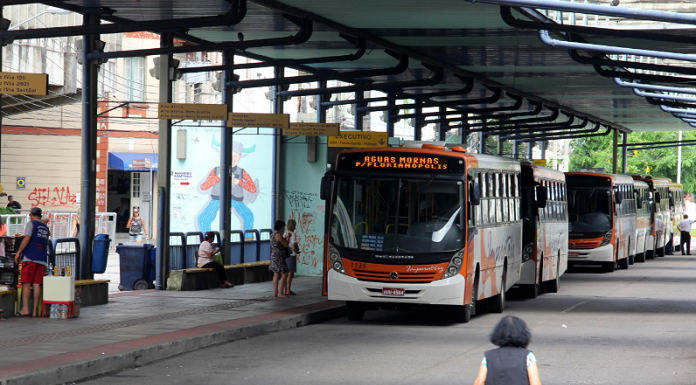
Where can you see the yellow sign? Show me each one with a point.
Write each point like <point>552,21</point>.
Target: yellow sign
<point>312,129</point>
<point>539,162</point>
<point>359,139</point>
<point>192,111</point>
<point>23,84</point>
<point>259,120</point>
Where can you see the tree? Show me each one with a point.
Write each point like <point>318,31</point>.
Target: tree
<point>596,152</point>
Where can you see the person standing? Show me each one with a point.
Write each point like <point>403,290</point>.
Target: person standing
<point>206,256</point>
<point>13,204</point>
<point>685,230</point>
<point>291,237</point>
<point>33,254</point>
<point>278,265</point>
<point>136,227</point>
<point>511,363</point>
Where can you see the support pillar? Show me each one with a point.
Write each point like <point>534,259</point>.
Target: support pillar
<point>226,162</point>
<point>359,97</point>
<point>482,143</point>
<point>543,149</point>
<point>615,152</point>
<point>165,166</point>
<point>90,72</point>
<point>391,104</point>
<point>624,154</point>
<point>500,145</point>
<point>530,150</point>
<point>515,155</point>
<point>442,131</point>
<point>279,72</point>
<point>417,126</point>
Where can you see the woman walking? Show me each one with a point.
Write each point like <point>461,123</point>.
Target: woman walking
<point>136,227</point>
<point>279,266</point>
<point>511,363</point>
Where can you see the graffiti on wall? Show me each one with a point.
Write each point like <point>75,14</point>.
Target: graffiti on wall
<point>309,236</point>
<point>56,196</point>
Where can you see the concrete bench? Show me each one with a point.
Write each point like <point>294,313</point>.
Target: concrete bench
<point>93,291</point>
<point>206,278</point>
<point>7,302</point>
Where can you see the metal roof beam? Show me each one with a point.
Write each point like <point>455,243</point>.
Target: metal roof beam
<point>497,93</point>
<point>609,129</point>
<point>628,64</point>
<point>554,132</point>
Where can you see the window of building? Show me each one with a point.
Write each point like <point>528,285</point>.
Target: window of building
<point>134,75</point>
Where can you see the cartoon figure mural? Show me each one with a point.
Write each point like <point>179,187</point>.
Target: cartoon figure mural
<point>244,190</point>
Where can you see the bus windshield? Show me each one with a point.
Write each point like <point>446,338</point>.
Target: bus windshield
<point>590,210</point>
<point>398,214</point>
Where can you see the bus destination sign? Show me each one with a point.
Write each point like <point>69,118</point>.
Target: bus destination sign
<point>401,162</point>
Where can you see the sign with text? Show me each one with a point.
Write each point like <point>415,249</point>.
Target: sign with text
<point>236,119</point>
<point>312,129</point>
<point>191,111</point>
<point>182,178</point>
<point>141,163</point>
<point>23,84</point>
<point>539,162</point>
<point>359,139</point>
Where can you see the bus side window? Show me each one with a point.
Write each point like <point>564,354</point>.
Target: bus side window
<point>484,199</point>
<point>505,194</point>
<point>477,209</point>
<point>499,198</point>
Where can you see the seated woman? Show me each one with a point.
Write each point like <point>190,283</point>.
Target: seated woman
<point>205,259</point>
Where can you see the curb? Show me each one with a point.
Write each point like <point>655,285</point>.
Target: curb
<point>83,369</point>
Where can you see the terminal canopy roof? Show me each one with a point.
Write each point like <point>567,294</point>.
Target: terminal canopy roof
<point>469,39</point>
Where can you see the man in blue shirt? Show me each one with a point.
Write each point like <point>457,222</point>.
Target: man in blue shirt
<point>33,253</point>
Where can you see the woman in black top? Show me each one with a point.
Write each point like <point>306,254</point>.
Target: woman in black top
<point>511,363</point>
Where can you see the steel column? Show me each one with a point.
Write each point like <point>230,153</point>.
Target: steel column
<point>165,165</point>
<point>615,152</point>
<point>391,106</point>
<point>416,125</point>
<point>442,126</point>
<point>279,72</point>
<point>515,155</point>
<point>624,153</point>
<point>89,146</point>
<point>530,149</point>
<point>226,146</point>
<point>500,145</point>
<point>359,98</point>
<point>543,149</point>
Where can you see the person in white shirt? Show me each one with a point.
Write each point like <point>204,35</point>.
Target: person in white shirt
<point>685,229</point>
<point>206,259</point>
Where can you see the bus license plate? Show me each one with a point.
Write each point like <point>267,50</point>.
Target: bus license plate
<point>390,291</point>
<point>573,254</point>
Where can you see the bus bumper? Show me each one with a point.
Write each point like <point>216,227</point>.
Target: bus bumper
<point>600,254</point>
<point>449,291</point>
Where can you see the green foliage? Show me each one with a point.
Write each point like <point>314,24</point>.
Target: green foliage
<point>596,152</point>
<point>7,211</point>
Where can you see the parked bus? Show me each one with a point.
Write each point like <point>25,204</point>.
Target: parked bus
<point>427,225</point>
<point>644,221</point>
<point>677,211</point>
<point>658,201</point>
<point>544,230</point>
<point>602,218</point>
<point>663,219</point>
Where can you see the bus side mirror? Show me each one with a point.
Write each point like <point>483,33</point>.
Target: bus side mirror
<point>639,202</point>
<point>542,195</point>
<point>475,194</point>
<point>325,192</point>
<point>671,202</point>
<point>617,197</point>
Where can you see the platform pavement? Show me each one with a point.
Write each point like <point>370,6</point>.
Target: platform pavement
<point>136,328</point>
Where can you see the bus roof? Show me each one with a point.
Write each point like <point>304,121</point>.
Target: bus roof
<point>676,186</point>
<point>640,184</point>
<point>544,172</point>
<point>615,178</point>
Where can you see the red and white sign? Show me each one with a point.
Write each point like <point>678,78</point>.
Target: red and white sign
<point>182,178</point>
<point>391,291</point>
<point>573,254</point>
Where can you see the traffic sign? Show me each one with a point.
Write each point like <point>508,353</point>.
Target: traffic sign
<point>236,119</point>
<point>191,111</point>
<point>539,162</point>
<point>21,183</point>
<point>182,178</point>
<point>312,129</point>
<point>359,139</point>
<point>23,84</point>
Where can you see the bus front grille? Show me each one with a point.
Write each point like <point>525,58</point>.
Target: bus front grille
<point>379,276</point>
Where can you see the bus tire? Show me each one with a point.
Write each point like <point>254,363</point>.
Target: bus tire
<point>554,285</point>
<point>650,254</point>
<point>497,303</point>
<point>355,311</point>
<point>462,314</point>
<point>640,257</point>
<point>609,266</point>
<point>631,259</point>
<point>623,263</point>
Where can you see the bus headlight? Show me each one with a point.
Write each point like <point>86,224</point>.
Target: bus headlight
<point>336,261</point>
<point>455,265</point>
<point>607,239</point>
<point>528,250</point>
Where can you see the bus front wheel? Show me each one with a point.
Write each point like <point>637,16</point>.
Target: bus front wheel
<point>609,266</point>
<point>497,303</point>
<point>355,311</point>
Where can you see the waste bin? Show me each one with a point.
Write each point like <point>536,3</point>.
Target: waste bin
<point>134,258</point>
<point>100,253</point>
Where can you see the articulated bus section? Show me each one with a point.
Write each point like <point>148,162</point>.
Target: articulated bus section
<point>602,218</point>
<point>412,226</point>
<point>544,229</point>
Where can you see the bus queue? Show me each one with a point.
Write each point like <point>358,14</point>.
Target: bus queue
<point>427,224</point>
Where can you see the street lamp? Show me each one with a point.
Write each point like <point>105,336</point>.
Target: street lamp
<point>51,10</point>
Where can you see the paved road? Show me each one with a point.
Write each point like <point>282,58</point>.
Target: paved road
<point>626,327</point>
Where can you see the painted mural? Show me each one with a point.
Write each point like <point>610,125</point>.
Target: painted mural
<point>196,181</point>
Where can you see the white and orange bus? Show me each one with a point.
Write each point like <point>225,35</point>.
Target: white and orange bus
<point>658,200</point>
<point>644,221</point>
<point>426,225</point>
<point>544,230</point>
<point>677,210</point>
<point>602,218</point>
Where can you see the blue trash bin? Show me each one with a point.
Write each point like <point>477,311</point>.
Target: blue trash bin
<point>134,258</point>
<point>150,271</point>
<point>100,253</point>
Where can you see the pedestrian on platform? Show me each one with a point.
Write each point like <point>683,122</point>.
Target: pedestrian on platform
<point>33,254</point>
<point>13,204</point>
<point>511,363</point>
<point>279,265</point>
<point>685,230</point>
<point>136,227</point>
<point>291,237</point>
<point>206,259</point>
